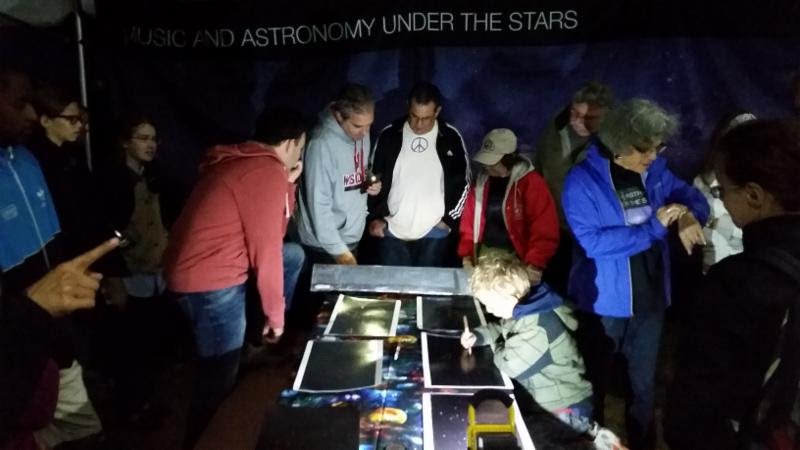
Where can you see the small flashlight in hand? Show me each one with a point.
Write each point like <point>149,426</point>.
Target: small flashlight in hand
<point>370,178</point>
<point>124,238</point>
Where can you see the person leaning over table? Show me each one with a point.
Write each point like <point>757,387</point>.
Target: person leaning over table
<point>619,203</point>
<point>332,204</point>
<point>233,225</point>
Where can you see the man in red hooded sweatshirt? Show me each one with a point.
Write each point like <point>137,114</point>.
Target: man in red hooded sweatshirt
<point>232,224</point>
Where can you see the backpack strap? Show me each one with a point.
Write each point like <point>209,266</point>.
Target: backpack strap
<point>780,384</point>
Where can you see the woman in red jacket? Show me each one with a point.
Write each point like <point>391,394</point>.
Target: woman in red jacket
<point>508,207</point>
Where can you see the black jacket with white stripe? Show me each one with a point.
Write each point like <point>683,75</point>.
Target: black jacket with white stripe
<point>452,155</point>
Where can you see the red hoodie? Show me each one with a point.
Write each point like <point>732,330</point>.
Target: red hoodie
<point>234,221</point>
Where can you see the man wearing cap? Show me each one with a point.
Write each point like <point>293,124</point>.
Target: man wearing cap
<point>425,172</point>
<point>509,208</point>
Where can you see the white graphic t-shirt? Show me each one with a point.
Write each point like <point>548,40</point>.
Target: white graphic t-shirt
<point>416,199</point>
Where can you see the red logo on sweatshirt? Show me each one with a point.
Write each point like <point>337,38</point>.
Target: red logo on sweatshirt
<point>353,180</point>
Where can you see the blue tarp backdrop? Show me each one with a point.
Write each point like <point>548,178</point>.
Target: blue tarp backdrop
<point>201,103</point>
<point>699,61</point>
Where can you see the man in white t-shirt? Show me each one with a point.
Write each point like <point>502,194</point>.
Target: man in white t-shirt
<point>424,167</point>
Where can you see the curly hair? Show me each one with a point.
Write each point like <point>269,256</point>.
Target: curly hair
<point>636,122</point>
<point>500,271</point>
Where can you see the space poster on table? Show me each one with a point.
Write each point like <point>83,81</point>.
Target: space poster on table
<point>337,366</point>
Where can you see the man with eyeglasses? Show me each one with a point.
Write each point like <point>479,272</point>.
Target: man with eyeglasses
<point>562,145</point>
<point>62,123</point>
<point>425,171</point>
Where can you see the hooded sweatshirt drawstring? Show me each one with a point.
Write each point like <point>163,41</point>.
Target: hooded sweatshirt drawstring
<point>359,159</point>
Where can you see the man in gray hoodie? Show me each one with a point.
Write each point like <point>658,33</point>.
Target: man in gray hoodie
<point>333,194</point>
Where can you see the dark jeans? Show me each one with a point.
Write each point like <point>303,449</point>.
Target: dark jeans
<point>294,258</point>
<point>636,340</point>
<point>218,320</point>
<point>136,345</point>
<point>428,251</point>
<point>556,274</point>
<point>303,314</point>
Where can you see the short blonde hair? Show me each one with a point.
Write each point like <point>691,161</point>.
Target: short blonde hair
<point>501,272</point>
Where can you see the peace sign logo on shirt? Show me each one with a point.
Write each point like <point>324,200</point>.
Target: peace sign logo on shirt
<point>419,145</point>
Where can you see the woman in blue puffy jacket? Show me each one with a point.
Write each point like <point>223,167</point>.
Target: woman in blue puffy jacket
<point>619,203</point>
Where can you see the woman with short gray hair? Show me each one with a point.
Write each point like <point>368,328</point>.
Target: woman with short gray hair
<point>619,203</point>
<point>635,125</point>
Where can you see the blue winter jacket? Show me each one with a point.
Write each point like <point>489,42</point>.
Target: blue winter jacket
<point>600,277</point>
<point>28,219</point>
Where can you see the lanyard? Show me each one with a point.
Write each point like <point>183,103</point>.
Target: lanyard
<point>358,159</point>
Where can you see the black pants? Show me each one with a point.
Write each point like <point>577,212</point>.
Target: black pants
<point>557,272</point>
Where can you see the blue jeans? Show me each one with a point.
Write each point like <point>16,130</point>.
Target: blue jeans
<point>428,251</point>
<point>218,320</point>
<point>637,340</point>
<point>293,260</point>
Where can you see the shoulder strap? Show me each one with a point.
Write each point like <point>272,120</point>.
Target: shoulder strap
<point>781,260</point>
<point>782,375</point>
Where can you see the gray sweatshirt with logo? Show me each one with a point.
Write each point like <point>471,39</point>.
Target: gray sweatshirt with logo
<point>332,209</point>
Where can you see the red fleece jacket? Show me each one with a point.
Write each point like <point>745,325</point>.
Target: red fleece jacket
<point>530,217</point>
<point>234,221</point>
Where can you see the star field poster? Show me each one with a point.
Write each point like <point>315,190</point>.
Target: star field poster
<point>446,314</point>
<point>446,364</point>
<point>445,421</point>
<point>337,366</point>
<point>354,316</point>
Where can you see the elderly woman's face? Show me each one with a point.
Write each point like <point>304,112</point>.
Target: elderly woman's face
<point>640,157</point>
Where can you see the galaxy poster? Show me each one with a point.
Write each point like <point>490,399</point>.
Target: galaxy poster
<point>446,364</point>
<point>337,366</point>
<point>354,316</point>
<point>446,314</point>
<point>445,420</point>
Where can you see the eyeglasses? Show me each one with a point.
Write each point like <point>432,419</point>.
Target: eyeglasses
<point>73,120</point>
<point>146,139</point>
<point>655,149</point>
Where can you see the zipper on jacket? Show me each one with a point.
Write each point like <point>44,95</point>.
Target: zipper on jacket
<point>628,259</point>
<point>30,210</point>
